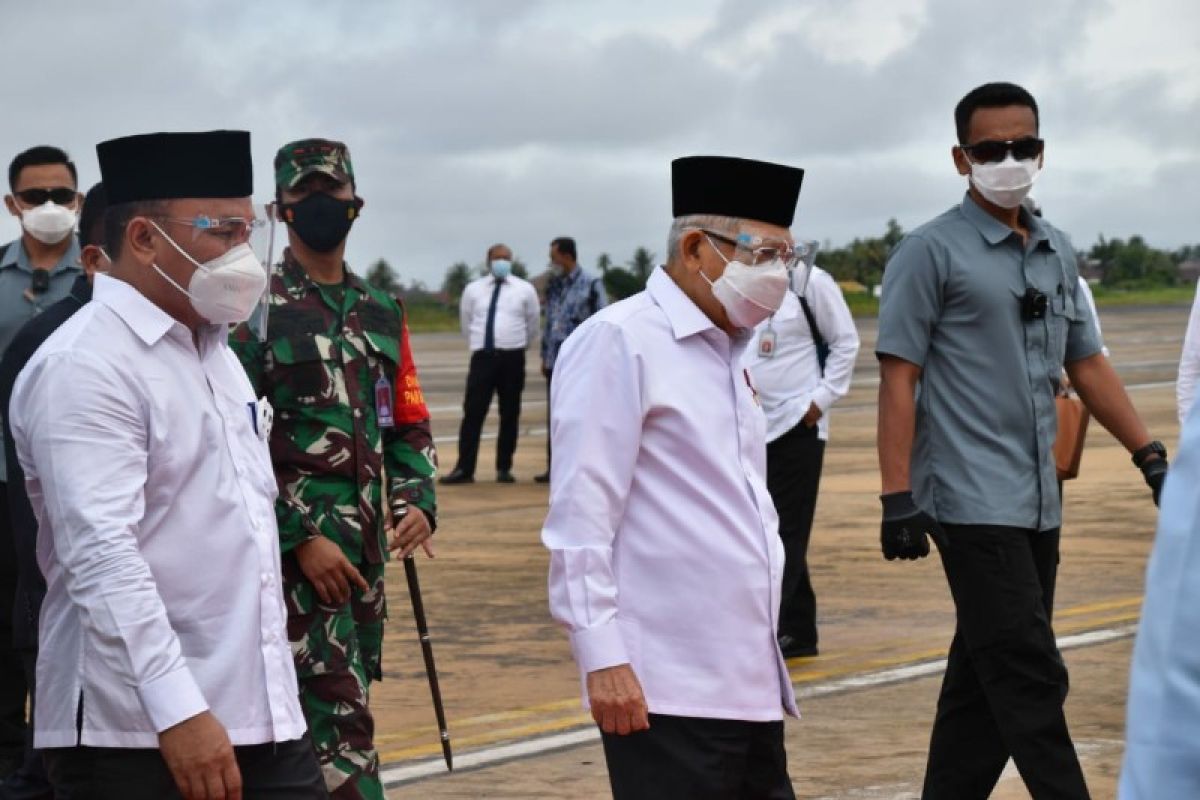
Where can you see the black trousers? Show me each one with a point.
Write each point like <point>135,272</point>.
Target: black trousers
<point>793,477</point>
<point>499,372</point>
<point>1005,680</point>
<point>699,759</point>
<point>549,381</point>
<point>283,771</point>
<point>13,689</point>
<point>29,782</point>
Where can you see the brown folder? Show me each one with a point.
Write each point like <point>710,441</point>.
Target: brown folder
<point>1072,431</point>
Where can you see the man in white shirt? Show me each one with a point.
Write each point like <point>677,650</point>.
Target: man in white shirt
<point>1189,362</point>
<point>499,316</point>
<point>164,667</point>
<point>801,361</point>
<point>665,559</point>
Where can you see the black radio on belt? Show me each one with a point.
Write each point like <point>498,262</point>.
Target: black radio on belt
<point>1033,304</point>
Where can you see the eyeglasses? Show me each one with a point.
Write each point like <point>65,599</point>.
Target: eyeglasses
<point>760,250</point>
<point>233,230</point>
<point>994,150</point>
<point>59,195</point>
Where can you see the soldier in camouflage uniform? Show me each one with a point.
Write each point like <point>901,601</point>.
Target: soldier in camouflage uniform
<point>336,351</point>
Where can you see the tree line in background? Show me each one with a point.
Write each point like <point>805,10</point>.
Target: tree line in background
<point>858,266</point>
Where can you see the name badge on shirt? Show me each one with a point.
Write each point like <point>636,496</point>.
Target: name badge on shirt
<point>262,417</point>
<point>383,403</point>
<point>766,343</point>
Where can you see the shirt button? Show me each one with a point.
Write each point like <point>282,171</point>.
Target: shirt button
<point>266,579</point>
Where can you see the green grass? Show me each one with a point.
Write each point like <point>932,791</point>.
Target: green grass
<point>1157,296</point>
<point>863,305</point>
<point>436,319</point>
<point>431,319</point>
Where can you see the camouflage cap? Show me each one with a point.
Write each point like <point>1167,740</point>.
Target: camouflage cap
<point>298,159</point>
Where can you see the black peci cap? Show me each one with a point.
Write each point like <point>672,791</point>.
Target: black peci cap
<point>735,187</point>
<point>169,166</point>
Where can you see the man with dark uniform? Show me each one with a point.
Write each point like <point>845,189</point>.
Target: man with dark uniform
<point>345,446</point>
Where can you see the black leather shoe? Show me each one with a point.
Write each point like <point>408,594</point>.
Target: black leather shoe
<point>543,478</point>
<point>456,475</point>
<point>504,476</point>
<point>791,647</point>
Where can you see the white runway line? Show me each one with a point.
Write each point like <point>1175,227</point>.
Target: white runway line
<point>540,745</point>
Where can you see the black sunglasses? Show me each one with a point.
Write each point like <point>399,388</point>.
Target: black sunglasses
<point>992,150</point>
<point>35,197</point>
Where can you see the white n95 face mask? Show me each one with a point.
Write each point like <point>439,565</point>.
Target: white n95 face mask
<point>225,290</point>
<point>1007,182</point>
<point>49,223</point>
<point>749,294</point>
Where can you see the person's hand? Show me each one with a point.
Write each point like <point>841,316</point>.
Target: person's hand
<point>813,415</point>
<point>328,570</point>
<point>617,702</point>
<point>1154,470</point>
<point>200,756</point>
<point>411,530</point>
<point>903,531</point>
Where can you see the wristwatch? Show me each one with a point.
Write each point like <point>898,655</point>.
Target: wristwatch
<point>1154,448</point>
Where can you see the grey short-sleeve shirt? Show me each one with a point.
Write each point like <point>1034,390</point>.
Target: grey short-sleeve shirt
<point>986,421</point>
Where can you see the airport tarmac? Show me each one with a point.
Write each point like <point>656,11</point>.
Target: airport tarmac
<point>512,691</point>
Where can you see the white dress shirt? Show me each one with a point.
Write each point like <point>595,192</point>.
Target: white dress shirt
<point>1086,291</point>
<point>790,380</point>
<point>156,532</point>
<point>1189,362</point>
<point>664,545</point>
<point>517,312</point>
<point>1162,730</point>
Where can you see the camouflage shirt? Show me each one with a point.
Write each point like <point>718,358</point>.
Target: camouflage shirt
<point>330,366</point>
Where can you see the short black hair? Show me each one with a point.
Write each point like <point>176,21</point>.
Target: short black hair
<point>117,217</point>
<point>566,246</point>
<point>990,95</point>
<point>37,156</point>
<point>91,217</point>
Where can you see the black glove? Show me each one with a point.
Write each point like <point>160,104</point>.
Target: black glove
<point>1155,472</point>
<point>904,528</point>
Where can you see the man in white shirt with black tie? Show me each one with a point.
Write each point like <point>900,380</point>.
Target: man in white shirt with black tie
<point>801,361</point>
<point>499,316</point>
<point>665,559</point>
<point>164,668</point>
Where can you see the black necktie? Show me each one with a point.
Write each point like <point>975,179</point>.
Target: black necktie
<point>489,332</point>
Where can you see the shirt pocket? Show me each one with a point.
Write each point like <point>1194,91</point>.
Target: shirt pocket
<point>1063,314</point>
<point>306,373</point>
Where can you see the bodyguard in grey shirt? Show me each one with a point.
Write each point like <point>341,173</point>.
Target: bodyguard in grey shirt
<point>980,312</point>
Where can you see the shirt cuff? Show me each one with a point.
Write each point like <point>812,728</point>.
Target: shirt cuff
<point>599,647</point>
<point>171,699</point>
<point>823,399</point>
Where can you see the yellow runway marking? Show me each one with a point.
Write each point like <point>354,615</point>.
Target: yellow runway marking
<point>566,714</point>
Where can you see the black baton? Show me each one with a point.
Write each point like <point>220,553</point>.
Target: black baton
<point>399,511</point>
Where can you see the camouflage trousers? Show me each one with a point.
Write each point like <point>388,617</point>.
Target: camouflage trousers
<point>337,651</point>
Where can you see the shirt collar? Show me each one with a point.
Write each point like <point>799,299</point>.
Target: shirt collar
<point>995,231</point>
<point>298,282</point>
<point>143,317</point>
<point>16,256</point>
<point>685,316</point>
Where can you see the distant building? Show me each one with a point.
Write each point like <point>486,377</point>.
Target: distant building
<point>1189,271</point>
<point>1090,269</point>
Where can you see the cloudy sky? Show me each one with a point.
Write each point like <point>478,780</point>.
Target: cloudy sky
<point>474,121</point>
